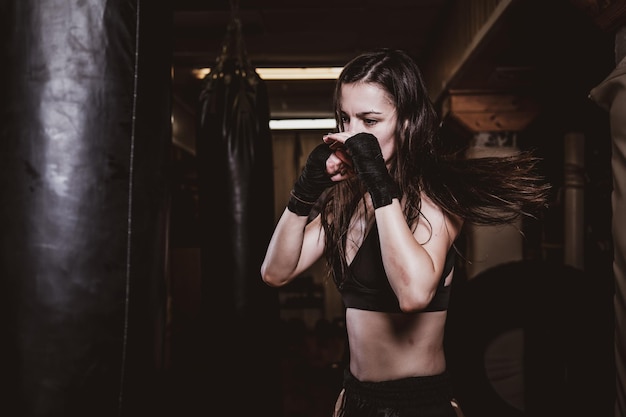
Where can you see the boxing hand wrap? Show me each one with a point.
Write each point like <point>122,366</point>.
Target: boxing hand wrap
<point>370,167</point>
<point>311,183</point>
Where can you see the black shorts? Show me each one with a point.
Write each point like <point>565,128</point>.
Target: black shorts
<point>423,396</point>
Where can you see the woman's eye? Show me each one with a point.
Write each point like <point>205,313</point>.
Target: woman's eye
<point>344,119</point>
<point>370,122</point>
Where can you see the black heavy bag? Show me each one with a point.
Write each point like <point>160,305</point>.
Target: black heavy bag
<point>236,193</point>
<point>84,133</point>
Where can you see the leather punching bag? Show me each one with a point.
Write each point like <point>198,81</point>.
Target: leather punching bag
<point>85,132</point>
<point>236,192</point>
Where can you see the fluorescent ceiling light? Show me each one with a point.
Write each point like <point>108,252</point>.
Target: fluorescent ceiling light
<point>302,124</point>
<point>328,73</point>
<point>308,73</point>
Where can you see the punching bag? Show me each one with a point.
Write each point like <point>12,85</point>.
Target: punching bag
<point>236,200</point>
<point>85,130</point>
<point>610,95</point>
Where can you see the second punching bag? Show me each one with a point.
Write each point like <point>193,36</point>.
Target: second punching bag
<point>236,189</point>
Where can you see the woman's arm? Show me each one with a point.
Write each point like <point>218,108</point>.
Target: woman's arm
<point>294,247</point>
<point>414,261</point>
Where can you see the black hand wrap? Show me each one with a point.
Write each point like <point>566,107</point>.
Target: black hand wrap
<point>371,169</point>
<point>311,183</point>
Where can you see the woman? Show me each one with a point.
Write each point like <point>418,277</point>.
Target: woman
<point>383,201</point>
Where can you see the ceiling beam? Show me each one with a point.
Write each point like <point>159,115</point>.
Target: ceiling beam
<point>490,112</point>
<point>469,26</point>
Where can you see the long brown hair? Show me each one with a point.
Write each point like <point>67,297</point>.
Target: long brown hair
<point>488,190</point>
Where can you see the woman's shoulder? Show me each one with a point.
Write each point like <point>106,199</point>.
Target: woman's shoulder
<point>437,217</point>
<point>429,206</point>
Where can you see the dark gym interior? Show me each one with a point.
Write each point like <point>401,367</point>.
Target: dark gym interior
<point>131,284</point>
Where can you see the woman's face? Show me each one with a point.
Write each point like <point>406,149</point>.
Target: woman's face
<point>366,107</point>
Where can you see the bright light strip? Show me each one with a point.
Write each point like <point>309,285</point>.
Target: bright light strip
<point>302,124</point>
<point>309,73</point>
<point>327,73</point>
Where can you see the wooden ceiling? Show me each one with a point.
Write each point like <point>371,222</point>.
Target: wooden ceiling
<point>299,33</point>
<point>469,49</point>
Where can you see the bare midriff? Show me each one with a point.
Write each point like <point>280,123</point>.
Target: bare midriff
<point>387,346</point>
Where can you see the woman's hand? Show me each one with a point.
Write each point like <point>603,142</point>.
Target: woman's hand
<point>337,140</point>
<point>365,156</point>
<point>340,165</point>
<point>314,179</point>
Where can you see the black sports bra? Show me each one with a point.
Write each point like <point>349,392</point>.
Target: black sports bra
<point>366,286</point>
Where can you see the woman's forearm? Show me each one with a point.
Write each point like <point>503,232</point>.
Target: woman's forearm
<point>291,250</point>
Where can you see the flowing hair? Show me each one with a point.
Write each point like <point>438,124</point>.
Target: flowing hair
<point>486,190</point>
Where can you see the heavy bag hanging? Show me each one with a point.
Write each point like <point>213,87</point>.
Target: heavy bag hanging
<point>236,194</point>
<point>84,139</point>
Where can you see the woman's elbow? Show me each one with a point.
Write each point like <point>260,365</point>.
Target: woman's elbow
<point>414,301</point>
<point>272,280</point>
